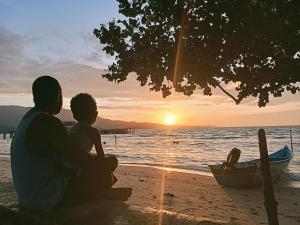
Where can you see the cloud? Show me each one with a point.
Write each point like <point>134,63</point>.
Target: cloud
<point>12,61</point>
<point>94,55</point>
<point>18,70</point>
<point>11,48</point>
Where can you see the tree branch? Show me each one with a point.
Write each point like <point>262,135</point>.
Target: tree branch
<point>236,100</point>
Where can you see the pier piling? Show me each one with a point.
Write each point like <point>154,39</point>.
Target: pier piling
<point>270,201</point>
<point>5,133</point>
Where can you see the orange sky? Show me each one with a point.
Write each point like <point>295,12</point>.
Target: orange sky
<point>130,102</point>
<point>33,42</point>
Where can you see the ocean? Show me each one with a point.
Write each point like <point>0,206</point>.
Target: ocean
<point>194,149</point>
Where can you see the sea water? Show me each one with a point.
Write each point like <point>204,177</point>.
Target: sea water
<point>194,149</point>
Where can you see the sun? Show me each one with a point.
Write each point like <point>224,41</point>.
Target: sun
<point>170,120</point>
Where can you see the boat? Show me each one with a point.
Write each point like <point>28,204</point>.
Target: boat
<point>246,174</point>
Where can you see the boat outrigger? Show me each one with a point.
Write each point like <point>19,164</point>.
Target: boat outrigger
<point>246,174</point>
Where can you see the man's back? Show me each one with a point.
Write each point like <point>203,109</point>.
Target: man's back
<point>36,170</point>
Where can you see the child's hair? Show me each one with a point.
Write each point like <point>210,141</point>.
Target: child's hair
<point>83,107</point>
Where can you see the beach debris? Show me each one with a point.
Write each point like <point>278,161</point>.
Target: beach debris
<point>141,180</point>
<point>176,142</point>
<point>168,194</point>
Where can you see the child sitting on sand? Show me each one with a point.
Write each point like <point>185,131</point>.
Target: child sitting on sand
<point>82,134</point>
<point>84,110</point>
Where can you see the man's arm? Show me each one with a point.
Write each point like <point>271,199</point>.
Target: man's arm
<point>68,149</point>
<point>47,134</point>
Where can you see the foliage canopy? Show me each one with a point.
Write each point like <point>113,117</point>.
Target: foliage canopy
<point>203,44</point>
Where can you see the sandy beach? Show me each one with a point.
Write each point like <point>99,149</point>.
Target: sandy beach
<point>170,197</point>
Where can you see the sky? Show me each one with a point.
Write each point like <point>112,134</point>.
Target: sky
<point>56,38</point>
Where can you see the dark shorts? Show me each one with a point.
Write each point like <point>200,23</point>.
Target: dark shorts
<point>93,179</point>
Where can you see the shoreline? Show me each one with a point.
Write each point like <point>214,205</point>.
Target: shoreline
<point>193,198</point>
<point>289,182</point>
<point>175,169</point>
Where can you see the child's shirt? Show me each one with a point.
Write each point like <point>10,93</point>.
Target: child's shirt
<point>77,135</point>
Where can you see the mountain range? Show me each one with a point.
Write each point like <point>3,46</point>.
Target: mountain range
<point>10,116</point>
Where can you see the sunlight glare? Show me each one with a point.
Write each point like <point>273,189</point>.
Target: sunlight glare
<point>170,119</point>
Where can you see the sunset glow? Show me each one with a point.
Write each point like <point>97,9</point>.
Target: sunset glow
<point>77,62</point>
<point>170,120</point>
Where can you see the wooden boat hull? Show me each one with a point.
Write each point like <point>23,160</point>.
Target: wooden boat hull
<point>247,174</point>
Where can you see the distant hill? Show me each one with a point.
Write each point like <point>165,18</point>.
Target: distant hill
<point>10,116</point>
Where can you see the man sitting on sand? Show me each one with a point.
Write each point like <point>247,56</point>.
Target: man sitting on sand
<point>38,150</point>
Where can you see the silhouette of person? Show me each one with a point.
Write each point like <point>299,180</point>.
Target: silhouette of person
<point>38,150</point>
<point>232,158</point>
<point>85,137</point>
<point>84,109</point>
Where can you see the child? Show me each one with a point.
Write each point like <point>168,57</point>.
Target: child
<point>84,109</point>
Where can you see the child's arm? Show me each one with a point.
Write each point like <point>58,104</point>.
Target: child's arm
<point>98,145</point>
<point>94,135</point>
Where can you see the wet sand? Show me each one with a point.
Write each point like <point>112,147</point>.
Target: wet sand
<point>170,197</point>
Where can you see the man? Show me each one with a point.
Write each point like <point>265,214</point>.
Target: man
<point>38,150</point>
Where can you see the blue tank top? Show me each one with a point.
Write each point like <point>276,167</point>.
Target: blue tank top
<point>37,178</point>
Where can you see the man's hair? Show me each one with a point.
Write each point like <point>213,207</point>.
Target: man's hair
<point>83,107</point>
<point>45,90</point>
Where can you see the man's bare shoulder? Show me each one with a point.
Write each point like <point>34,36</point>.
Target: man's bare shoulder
<point>46,121</point>
<point>43,131</point>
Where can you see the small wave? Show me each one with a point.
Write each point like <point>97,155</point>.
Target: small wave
<point>4,155</point>
<point>231,137</point>
<point>193,170</point>
<point>217,137</point>
<point>145,135</point>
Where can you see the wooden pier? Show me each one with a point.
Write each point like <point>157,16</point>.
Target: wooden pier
<point>9,134</point>
<point>69,124</point>
<point>117,131</point>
